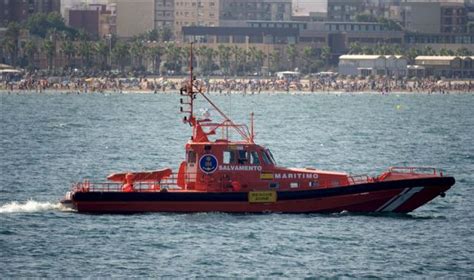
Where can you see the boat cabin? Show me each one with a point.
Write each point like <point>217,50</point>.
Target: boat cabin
<point>240,166</point>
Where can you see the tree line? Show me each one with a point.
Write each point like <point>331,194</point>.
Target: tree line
<point>46,37</point>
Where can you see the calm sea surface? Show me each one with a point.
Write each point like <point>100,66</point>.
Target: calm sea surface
<point>50,141</point>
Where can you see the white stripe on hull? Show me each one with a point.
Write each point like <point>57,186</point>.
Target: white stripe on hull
<point>398,200</point>
<point>391,200</point>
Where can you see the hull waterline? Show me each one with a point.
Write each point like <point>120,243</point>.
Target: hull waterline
<point>400,196</point>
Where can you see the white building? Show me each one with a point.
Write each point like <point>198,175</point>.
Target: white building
<point>366,65</point>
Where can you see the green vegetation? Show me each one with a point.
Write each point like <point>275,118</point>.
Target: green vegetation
<point>44,42</point>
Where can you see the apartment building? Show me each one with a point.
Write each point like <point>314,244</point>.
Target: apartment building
<point>164,13</point>
<point>237,12</point>
<point>134,18</point>
<point>20,10</point>
<point>195,13</point>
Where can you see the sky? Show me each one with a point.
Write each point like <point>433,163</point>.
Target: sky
<point>306,6</point>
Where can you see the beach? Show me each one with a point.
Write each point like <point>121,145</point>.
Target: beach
<point>242,85</point>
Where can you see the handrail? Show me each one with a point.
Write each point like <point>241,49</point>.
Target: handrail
<point>360,179</point>
<point>413,170</point>
<point>170,182</point>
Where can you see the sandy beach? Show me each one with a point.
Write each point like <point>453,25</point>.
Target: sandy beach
<point>237,85</point>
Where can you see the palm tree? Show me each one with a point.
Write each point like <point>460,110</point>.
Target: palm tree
<point>239,57</point>
<point>137,50</point>
<point>256,59</point>
<point>10,48</point>
<point>174,57</point>
<point>102,51</point>
<point>224,58</point>
<point>308,58</point>
<point>275,60</point>
<point>165,34</point>
<point>155,53</point>
<point>12,36</point>
<point>355,48</point>
<point>49,49</point>
<point>121,54</point>
<point>412,53</point>
<point>292,53</point>
<point>326,55</point>
<point>86,52</point>
<point>30,51</point>
<point>463,52</point>
<point>429,51</point>
<point>206,59</point>
<point>68,49</point>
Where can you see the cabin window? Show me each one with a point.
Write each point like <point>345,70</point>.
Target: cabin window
<point>254,158</point>
<point>294,185</point>
<point>229,157</point>
<point>271,156</point>
<point>265,158</point>
<point>243,157</point>
<point>268,157</point>
<point>191,157</point>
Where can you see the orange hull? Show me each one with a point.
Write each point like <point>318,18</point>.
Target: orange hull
<point>393,196</point>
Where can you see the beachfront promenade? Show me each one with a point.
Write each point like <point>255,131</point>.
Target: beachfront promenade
<point>238,85</point>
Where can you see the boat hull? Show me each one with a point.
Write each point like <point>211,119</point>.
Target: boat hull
<point>400,196</point>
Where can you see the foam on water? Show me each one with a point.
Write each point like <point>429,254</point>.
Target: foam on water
<point>29,207</point>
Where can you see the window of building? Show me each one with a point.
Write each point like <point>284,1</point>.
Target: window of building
<point>223,39</point>
<point>239,39</point>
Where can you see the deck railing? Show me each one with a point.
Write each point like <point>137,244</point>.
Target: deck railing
<point>414,170</point>
<point>360,179</point>
<point>155,186</point>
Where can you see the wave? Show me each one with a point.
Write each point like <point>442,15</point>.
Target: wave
<point>30,206</point>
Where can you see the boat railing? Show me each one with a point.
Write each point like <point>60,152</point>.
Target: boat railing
<point>168,183</point>
<point>415,170</point>
<point>360,179</point>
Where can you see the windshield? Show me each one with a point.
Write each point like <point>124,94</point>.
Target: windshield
<point>268,156</point>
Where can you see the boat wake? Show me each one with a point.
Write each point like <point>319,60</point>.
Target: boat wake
<point>30,206</point>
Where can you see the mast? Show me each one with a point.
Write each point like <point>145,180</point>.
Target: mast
<point>190,93</point>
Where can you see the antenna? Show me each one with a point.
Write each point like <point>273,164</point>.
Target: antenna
<point>188,91</point>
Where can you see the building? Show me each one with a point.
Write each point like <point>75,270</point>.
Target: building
<point>434,17</point>
<point>96,19</point>
<point>344,10</point>
<point>195,13</point>
<point>340,35</point>
<point>447,66</point>
<point>164,13</point>
<point>271,35</point>
<point>134,18</point>
<point>366,65</point>
<point>237,12</point>
<point>20,10</point>
<point>348,10</point>
<point>470,17</point>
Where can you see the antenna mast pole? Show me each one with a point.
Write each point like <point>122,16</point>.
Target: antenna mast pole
<point>190,87</point>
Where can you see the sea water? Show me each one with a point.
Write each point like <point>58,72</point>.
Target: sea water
<point>49,141</point>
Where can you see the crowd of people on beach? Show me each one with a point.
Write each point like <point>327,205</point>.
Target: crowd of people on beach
<point>224,85</point>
